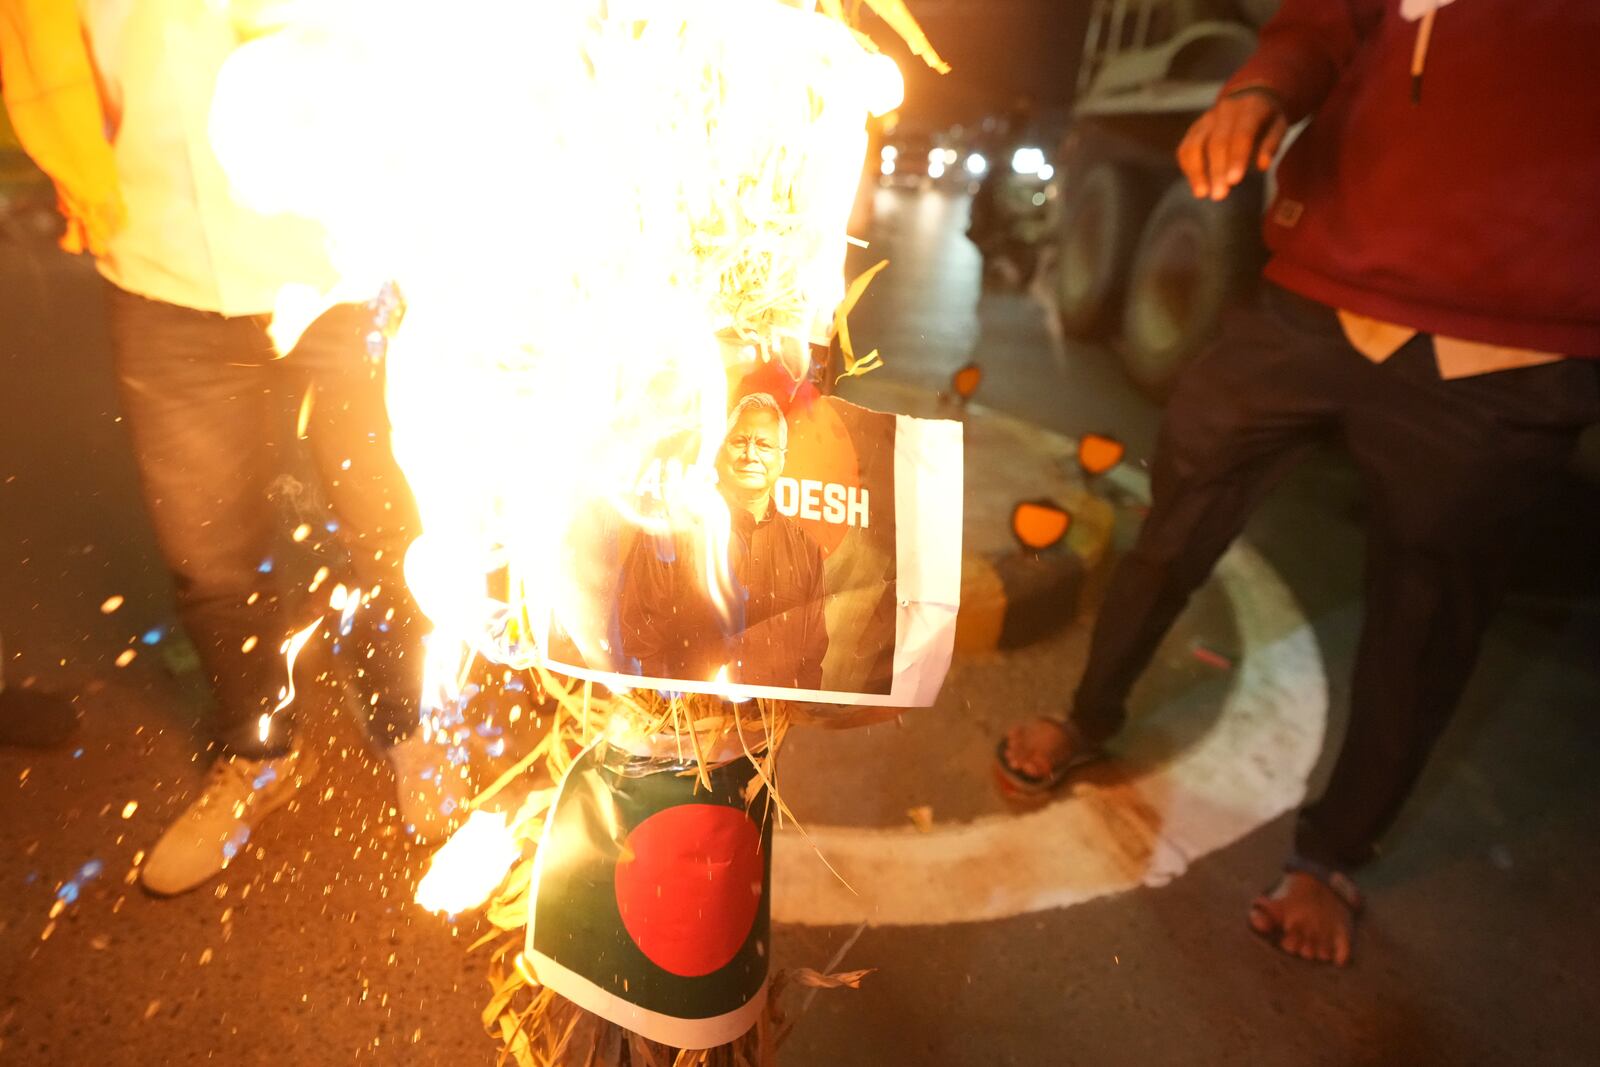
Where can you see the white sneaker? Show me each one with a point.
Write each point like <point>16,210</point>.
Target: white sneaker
<point>433,793</point>
<point>238,794</point>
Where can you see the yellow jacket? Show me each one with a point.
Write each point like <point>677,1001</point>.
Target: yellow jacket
<point>54,104</point>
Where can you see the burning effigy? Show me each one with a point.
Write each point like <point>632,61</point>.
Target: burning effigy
<point>610,235</point>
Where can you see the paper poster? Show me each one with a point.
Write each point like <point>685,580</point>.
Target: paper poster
<point>843,569</point>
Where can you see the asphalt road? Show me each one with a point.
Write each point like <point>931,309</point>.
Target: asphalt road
<point>1481,946</point>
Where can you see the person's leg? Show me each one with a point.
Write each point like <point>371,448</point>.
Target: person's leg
<point>196,396</point>
<point>1236,420</point>
<point>376,514</point>
<point>193,391</point>
<point>1452,468</point>
<point>341,362</point>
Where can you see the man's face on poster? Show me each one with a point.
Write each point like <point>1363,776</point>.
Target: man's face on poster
<point>752,457</point>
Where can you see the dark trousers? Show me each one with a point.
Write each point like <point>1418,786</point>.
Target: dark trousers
<point>1449,469</point>
<point>200,392</point>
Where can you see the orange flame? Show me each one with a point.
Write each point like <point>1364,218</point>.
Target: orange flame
<point>291,650</point>
<point>470,865</point>
<point>599,214</point>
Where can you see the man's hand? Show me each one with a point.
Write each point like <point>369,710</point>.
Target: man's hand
<point>1217,150</point>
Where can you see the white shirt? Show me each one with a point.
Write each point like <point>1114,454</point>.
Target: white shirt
<point>188,239</point>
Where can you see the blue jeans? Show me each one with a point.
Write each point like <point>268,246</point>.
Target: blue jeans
<point>199,392</point>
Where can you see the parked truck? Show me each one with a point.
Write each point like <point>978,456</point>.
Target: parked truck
<point>1137,254</point>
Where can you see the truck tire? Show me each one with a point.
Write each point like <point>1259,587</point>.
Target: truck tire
<point>1099,232</point>
<point>1193,257</point>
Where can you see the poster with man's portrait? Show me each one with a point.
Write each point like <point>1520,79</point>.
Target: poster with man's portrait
<point>832,573</point>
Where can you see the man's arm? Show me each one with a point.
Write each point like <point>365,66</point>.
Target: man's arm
<point>54,102</point>
<point>1303,49</point>
<point>1298,60</point>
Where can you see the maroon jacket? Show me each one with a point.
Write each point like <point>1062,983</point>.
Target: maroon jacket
<point>1473,212</point>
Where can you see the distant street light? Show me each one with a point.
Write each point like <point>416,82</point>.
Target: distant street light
<point>1027,160</point>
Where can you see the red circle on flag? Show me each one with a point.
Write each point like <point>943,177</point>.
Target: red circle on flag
<point>688,886</point>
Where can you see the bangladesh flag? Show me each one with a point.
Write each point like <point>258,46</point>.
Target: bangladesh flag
<point>651,905</point>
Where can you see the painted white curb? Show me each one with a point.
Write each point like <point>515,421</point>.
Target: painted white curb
<point>1249,769</point>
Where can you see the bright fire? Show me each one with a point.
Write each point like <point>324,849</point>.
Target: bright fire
<point>470,865</point>
<point>598,214</point>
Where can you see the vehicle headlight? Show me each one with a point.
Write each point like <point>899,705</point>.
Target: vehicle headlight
<point>1027,160</point>
<point>976,164</point>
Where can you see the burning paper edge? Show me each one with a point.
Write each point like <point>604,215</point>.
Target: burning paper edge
<point>929,482</point>
<point>301,303</point>
<point>290,650</point>
<point>818,29</point>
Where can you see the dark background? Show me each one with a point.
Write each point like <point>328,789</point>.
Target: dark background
<point>998,49</point>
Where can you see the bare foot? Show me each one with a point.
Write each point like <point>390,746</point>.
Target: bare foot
<point>1039,748</point>
<point>1306,918</point>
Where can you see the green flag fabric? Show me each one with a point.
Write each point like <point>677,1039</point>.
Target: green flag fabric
<point>651,902</point>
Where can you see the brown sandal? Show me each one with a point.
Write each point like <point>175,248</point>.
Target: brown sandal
<point>1021,781</point>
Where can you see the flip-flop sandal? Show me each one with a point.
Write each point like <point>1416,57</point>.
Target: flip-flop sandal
<point>1032,784</point>
<point>1337,881</point>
